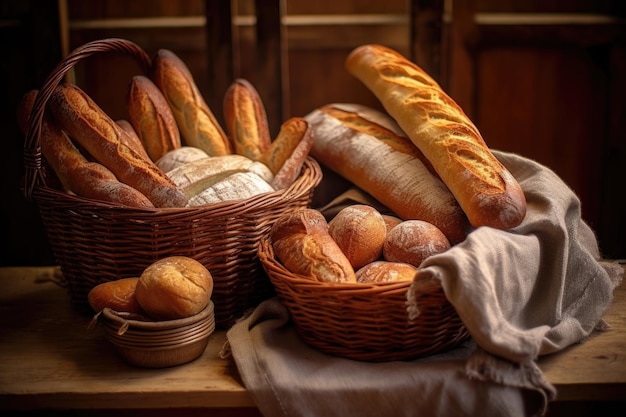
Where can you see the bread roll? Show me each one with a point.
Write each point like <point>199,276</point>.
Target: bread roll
<point>89,125</point>
<point>412,241</point>
<point>117,295</point>
<point>360,232</point>
<point>245,120</point>
<point>391,221</point>
<point>196,122</point>
<point>368,148</point>
<point>77,174</point>
<point>384,271</point>
<point>174,287</point>
<point>178,157</point>
<point>152,117</point>
<point>303,245</point>
<point>230,186</point>
<point>485,189</point>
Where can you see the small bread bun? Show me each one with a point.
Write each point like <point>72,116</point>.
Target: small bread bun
<point>384,271</point>
<point>391,221</point>
<point>412,241</point>
<point>174,287</point>
<point>117,295</point>
<point>360,232</point>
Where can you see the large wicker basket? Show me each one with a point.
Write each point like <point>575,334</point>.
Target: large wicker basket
<point>367,322</point>
<point>95,242</point>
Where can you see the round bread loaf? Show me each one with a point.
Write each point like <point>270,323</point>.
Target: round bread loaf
<point>385,271</point>
<point>118,295</point>
<point>359,231</point>
<point>412,241</point>
<point>174,287</point>
<point>391,221</point>
<point>180,156</point>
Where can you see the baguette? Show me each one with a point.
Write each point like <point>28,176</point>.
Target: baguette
<point>131,139</point>
<point>301,242</point>
<point>367,148</point>
<point>245,120</point>
<point>90,126</point>
<point>77,174</point>
<point>485,189</point>
<point>196,122</point>
<point>152,118</point>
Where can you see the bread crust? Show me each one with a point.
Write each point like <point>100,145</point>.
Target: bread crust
<point>118,295</point>
<point>485,189</point>
<point>412,241</point>
<point>385,271</point>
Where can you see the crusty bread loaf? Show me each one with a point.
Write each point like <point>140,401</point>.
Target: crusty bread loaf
<point>385,271</point>
<point>77,174</point>
<point>301,242</point>
<point>90,126</point>
<point>391,221</point>
<point>174,287</point>
<point>360,232</point>
<point>118,295</point>
<point>131,139</point>
<point>152,117</point>
<point>367,147</point>
<point>230,186</point>
<point>178,157</point>
<point>196,122</point>
<point>485,189</point>
<point>245,120</point>
<point>289,151</point>
<point>412,241</point>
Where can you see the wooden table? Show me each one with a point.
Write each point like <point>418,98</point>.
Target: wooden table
<point>51,361</point>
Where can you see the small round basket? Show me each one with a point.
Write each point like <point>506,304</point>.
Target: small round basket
<point>159,344</point>
<point>366,322</point>
<point>95,242</point>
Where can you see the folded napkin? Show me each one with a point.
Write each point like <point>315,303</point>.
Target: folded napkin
<point>521,293</point>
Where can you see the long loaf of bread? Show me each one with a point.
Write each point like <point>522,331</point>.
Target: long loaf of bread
<point>485,189</point>
<point>77,174</point>
<point>368,148</point>
<point>86,123</point>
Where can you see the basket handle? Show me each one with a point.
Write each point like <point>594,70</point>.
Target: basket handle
<point>33,174</point>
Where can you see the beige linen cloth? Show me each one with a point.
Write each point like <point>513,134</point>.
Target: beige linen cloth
<point>522,293</point>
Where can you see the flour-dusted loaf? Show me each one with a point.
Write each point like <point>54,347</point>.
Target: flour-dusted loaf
<point>412,241</point>
<point>76,173</point>
<point>301,242</point>
<point>245,120</point>
<point>385,271</point>
<point>196,122</point>
<point>360,233</point>
<point>151,117</point>
<point>485,189</point>
<point>231,186</point>
<point>86,123</point>
<point>368,148</point>
<point>180,156</point>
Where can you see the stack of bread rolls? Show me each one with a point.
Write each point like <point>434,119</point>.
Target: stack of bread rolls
<point>150,159</point>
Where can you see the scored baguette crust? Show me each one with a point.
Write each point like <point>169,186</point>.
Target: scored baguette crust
<point>385,165</point>
<point>131,139</point>
<point>485,189</point>
<point>289,151</point>
<point>246,120</point>
<point>77,174</point>
<point>152,117</point>
<point>90,126</point>
<point>303,245</point>
<point>196,122</point>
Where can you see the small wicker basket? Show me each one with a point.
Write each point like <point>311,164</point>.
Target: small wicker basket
<point>95,242</point>
<point>367,322</point>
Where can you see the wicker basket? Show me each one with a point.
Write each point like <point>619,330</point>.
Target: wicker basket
<point>95,242</point>
<point>367,322</point>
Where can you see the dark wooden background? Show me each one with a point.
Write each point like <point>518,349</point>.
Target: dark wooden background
<point>543,79</point>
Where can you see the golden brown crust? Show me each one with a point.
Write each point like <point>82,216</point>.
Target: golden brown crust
<point>77,174</point>
<point>397,179</point>
<point>131,139</point>
<point>89,125</point>
<point>485,189</point>
<point>118,295</point>
<point>294,143</point>
<point>385,271</point>
<point>413,241</point>
<point>196,122</point>
<point>152,117</point>
<point>302,244</point>
<point>245,120</point>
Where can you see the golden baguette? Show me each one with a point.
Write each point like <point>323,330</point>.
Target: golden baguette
<point>485,189</point>
<point>86,123</point>
<point>196,122</point>
<point>131,138</point>
<point>246,120</point>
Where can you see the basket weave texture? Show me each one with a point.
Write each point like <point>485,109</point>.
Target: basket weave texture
<point>96,242</point>
<point>366,322</point>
